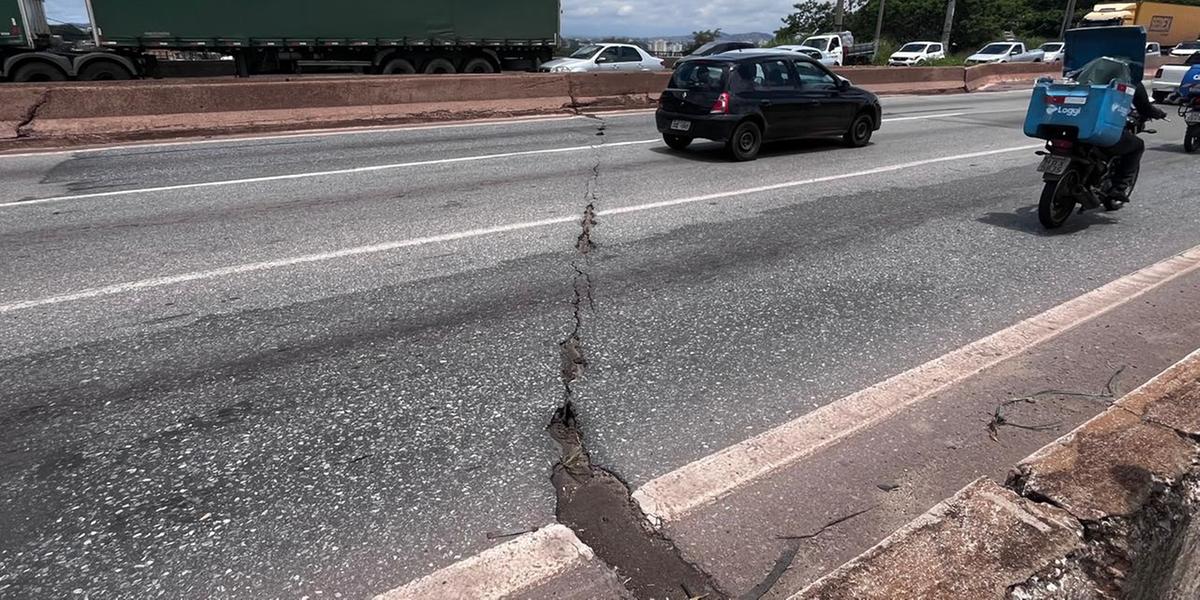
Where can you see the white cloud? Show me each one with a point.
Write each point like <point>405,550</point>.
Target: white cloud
<point>671,17</point>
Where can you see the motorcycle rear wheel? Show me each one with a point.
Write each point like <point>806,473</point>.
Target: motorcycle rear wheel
<point>1058,200</point>
<point>1191,139</point>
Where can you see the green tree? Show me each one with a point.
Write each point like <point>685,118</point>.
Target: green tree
<point>700,38</point>
<point>809,16</point>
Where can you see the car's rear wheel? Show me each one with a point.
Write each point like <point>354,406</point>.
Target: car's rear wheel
<point>860,131</point>
<point>676,142</point>
<point>745,142</point>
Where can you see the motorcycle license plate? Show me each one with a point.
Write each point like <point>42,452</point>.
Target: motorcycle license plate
<point>680,125</point>
<point>1054,165</point>
<point>1193,116</point>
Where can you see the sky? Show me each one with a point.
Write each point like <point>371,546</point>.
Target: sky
<point>633,18</point>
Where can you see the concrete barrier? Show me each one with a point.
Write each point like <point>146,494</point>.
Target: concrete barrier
<point>75,112</point>
<point>1129,478</point>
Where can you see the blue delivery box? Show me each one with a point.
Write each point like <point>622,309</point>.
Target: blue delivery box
<point>1101,67</point>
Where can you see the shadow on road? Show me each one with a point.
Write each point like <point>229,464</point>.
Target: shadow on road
<point>714,152</point>
<point>1025,220</point>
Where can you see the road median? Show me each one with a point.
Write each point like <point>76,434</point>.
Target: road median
<point>73,113</point>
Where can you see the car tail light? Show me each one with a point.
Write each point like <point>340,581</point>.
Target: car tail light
<point>721,106</point>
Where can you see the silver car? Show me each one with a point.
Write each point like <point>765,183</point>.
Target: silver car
<point>604,57</point>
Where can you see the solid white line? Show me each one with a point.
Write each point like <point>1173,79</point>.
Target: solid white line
<point>708,479</point>
<point>158,282</point>
<point>502,571</point>
<point>312,133</point>
<point>357,170</point>
<point>353,170</point>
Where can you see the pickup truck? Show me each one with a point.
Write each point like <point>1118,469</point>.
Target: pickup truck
<point>1004,52</point>
<point>1168,77</point>
<point>840,47</point>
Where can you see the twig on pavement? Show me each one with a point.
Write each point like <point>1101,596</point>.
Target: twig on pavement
<point>999,420</point>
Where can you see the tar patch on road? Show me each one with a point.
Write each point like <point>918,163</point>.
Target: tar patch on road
<point>592,501</point>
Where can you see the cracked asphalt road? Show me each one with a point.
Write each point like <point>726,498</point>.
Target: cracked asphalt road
<point>345,425</point>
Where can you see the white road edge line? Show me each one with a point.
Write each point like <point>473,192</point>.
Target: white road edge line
<point>338,131</point>
<point>388,167</point>
<point>311,133</point>
<point>157,282</point>
<point>503,570</point>
<point>676,494</point>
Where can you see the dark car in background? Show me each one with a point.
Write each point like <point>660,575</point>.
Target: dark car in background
<point>713,48</point>
<point>745,98</point>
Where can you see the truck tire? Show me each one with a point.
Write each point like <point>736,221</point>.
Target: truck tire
<point>37,71</point>
<point>103,70</point>
<point>399,66</point>
<point>440,66</point>
<point>479,65</point>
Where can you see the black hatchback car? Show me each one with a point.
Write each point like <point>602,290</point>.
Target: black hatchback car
<point>744,98</point>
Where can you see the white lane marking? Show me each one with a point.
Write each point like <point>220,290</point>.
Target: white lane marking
<point>502,571</point>
<point>312,133</point>
<point>388,167</point>
<point>157,282</point>
<point>708,479</point>
<point>350,171</point>
<point>919,117</point>
<point>321,133</point>
<point>955,114</point>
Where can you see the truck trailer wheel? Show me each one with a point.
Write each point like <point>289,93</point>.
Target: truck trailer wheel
<point>37,71</point>
<point>440,66</point>
<point>479,65</point>
<point>104,71</point>
<point>399,66</point>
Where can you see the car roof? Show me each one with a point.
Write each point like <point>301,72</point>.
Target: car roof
<point>918,42</point>
<point>794,47</point>
<point>751,53</point>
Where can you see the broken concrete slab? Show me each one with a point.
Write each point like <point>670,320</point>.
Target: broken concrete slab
<point>1179,410</point>
<point>974,545</point>
<point>1108,467</point>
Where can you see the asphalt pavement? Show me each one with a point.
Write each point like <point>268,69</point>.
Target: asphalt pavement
<point>322,365</point>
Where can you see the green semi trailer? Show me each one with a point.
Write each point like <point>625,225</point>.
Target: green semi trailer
<point>129,37</point>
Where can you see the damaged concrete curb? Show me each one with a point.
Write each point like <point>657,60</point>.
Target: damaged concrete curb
<point>518,568</point>
<point>1110,510</point>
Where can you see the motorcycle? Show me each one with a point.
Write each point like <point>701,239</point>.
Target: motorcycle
<point>1189,109</point>
<point>1077,173</point>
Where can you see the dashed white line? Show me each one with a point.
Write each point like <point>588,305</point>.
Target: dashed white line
<point>157,282</point>
<point>387,167</point>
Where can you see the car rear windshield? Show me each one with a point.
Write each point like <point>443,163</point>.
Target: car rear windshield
<point>913,48</point>
<point>995,49</point>
<point>699,75</point>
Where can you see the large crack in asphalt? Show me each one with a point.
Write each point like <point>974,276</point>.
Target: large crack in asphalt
<point>593,501</point>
